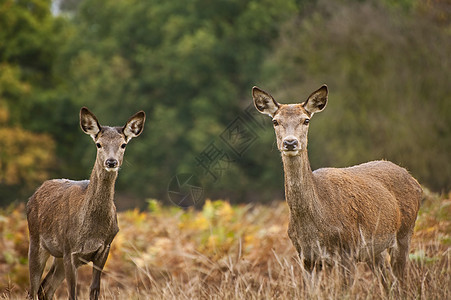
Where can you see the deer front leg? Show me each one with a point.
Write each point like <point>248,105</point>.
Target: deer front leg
<point>70,271</point>
<point>98,264</point>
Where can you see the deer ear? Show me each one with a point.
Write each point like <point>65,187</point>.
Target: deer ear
<point>317,101</point>
<point>134,126</point>
<point>89,123</point>
<point>264,102</point>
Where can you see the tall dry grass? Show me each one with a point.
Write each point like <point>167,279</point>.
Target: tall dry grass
<point>234,252</point>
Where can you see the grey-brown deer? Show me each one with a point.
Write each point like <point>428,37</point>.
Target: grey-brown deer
<point>75,221</point>
<point>355,213</point>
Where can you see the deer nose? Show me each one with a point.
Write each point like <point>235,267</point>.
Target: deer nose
<point>111,163</point>
<point>290,144</point>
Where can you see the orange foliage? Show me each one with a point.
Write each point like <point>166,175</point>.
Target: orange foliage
<point>24,156</point>
<point>235,251</point>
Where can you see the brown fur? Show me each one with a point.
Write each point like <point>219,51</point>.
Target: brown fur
<point>356,212</point>
<point>75,221</point>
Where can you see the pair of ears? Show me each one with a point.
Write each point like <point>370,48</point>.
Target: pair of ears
<point>263,101</point>
<point>266,104</point>
<point>133,127</point>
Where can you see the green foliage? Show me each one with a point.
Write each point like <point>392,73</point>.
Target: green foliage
<point>153,206</point>
<point>191,65</point>
<point>27,45</point>
<point>186,65</point>
<point>388,74</point>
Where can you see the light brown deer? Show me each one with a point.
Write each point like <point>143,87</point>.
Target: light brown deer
<point>75,221</point>
<point>356,212</point>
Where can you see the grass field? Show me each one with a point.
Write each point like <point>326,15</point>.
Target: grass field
<point>231,252</point>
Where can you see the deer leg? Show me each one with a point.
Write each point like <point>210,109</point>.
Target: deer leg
<point>53,279</point>
<point>98,264</point>
<point>37,257</point>
<point>379,268</point>
<point>70,271</point>
<point>309,265</point>
<point>398,256</point>
<point>377,263</point>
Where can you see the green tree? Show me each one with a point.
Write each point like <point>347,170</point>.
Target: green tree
<point>189,65</point>
<point>25,156</point>
<point>29,41</point>
<point>388,72</point>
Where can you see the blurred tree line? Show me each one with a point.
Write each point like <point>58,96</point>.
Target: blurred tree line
<point>191,65</point>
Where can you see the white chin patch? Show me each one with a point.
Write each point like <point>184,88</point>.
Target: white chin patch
<point>290,153</point>
<point>112,169</point>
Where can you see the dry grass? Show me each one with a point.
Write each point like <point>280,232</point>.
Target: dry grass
<point>225,252</point>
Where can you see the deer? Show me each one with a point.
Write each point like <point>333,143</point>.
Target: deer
<point>76,221</point>
<point>359,213</point>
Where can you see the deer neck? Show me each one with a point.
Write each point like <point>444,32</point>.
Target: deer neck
<point>300,189</point>
<point>100,192</point>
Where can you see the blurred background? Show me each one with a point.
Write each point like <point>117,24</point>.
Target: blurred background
<point>190,65</point>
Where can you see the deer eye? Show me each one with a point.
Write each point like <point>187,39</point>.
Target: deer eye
<point>306,121</point>
<point>98,145</point>
<point>123,146</point>
<point>275,122</point>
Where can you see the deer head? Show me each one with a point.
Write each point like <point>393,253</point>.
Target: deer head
<point>291,121</point>
<point>111,141</point>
